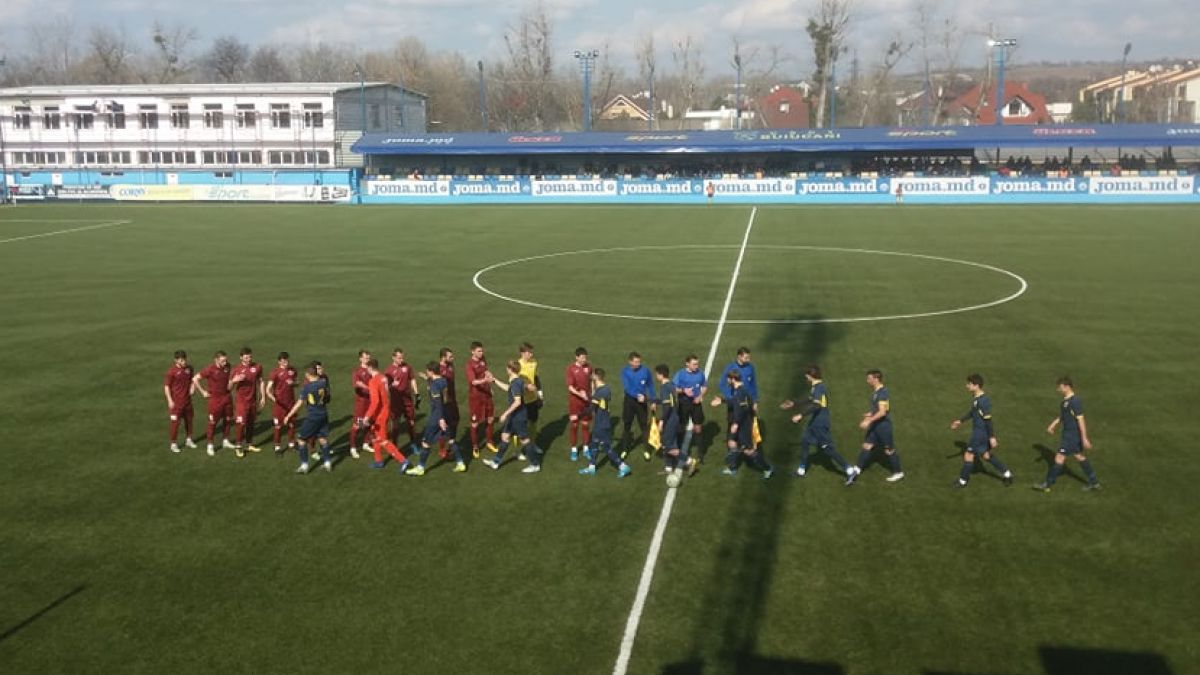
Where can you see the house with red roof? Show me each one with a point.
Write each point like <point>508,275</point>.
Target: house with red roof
<point>1021,106</point>
<point>784,107</point>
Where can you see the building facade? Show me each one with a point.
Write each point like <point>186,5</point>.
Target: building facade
<point>198,127</point>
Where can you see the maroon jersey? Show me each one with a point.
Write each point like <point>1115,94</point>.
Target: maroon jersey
<point>579,377</point>
<point>284,380</point>
<point>446,370</point>
<point>362,376</point>
<point>246,389</point>
<point>217,380</point>
<point>400,380</point>
<point>179,381</point>
<point>477,370</point>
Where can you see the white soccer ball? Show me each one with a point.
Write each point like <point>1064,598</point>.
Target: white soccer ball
<point>674,479</point>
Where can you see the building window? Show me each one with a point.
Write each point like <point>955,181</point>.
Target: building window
<point>249,157</point>
<point>179,116</point>
<point>376,116</point>
<point>51,119</point>
<point>785,106</point>
<point>214,117</point>
<point>22,117</point>
<point>281,117</point>
<point>314,118</point>
<point>1014,108</point>
<point>246,117</point>
<point>116,115</point>
<point>84,117</point>
<point>148,116</point>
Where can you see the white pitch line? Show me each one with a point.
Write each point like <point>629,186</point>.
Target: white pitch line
<point>58,232</point>
<point>643,589</point>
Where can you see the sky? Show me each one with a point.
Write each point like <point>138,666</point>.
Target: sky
<point>1058,30</point>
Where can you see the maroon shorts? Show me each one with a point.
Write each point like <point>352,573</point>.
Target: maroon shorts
<point>402,406</point>
<point>577,407</point>
<point>361,405</point>
<point>246,410</point>
<point>220,408</point>
<point>482,408</point>
<point>281,411</point>
<point>181,412</point>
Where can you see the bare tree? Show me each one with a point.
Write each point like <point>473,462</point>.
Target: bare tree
<point>647,61</point>
<point>827,30</point>
<point>689,71</point>
<point>877,98</point>
<point>53,52</point>
<point>940,40</point>
<point>267,65</point>
<point>171,44</point>
<point>323,62</point>
<point>529,87</point>
<point>109,56</point>
<point>227,59</point>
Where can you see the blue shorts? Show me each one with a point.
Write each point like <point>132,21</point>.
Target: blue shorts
<point>819,437</point>
<point>880,435</point>
<point>1072,445</point>
<point>670,433</point>
<point>314,426</point>
<point>433,433</point>
<point>744,436</point>
<point>601,436</point>
<point>978,443</point>
<point>517,425</point>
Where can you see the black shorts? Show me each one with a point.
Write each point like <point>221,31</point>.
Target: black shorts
<point>532,410</point>
<point>691,411</point>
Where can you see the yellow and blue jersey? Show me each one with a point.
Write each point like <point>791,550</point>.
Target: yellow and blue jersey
<point>981,415</point>
<point>1070,414</point>
<point>529,374</point>
<point>668,401</point>
<point>516,392</point>
<point>819,406</point>
<point>316,397</point>
<point>437,399</point>
<point>881,401</point>
<point>601,417</point>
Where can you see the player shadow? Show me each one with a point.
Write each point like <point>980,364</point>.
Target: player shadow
<point>740,581</point>
<point>979,466</point>
<point>548,431</point>
<point>1047,457</point>
<point>9,632</point>
<point>1072,661</point>
<point>709,435</point>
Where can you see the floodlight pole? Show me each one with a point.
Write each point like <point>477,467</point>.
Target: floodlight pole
<point>362,96</point>
<point>1124,72</point>
<point>833,93</point>
<point>737,92</point>
<point>587,60</point>
<point>1001,49</point>
<point>650,112</point>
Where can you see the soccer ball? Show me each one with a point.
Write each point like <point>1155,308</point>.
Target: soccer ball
<point>674,479</point>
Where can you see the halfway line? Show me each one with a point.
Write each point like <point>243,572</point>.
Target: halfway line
<point>643,589</point>
<point>57,232</point>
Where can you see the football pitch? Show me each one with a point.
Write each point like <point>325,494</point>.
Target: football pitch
<point>121,557</point>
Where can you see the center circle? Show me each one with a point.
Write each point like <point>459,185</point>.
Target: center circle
<point>1022,284</point>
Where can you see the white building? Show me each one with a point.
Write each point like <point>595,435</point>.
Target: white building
<point>199,126</point>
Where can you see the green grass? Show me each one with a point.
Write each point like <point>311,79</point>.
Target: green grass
<point>121,557</point>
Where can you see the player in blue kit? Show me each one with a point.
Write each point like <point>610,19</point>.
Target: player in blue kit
<point>438,425</point>
<point>983,434</point>
<point>818,432</point>
<point>670,407</point>
<point>741,430</point>
<point>514,423</point>
<point>878,425</point>
<point>315,429</point>
<point>601,400</point>
<point>1074,438</point>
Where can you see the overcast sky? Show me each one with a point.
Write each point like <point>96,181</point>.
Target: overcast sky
<point>1048,30</point>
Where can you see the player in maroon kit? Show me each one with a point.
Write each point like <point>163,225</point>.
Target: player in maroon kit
<point>361,380</point>
<point>220,403</point>
<point>579,400</point>
<point>449,403</point>
<point>281,389</point>
<point>402,387</point>
<point>178,386</point>
<point>483,410</point>
<point>249,396</point>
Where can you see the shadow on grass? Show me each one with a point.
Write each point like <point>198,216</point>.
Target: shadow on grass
<point>1047,457</point>
<point>743,570</point>
<point>42,612</point>
<point>1072,661</point>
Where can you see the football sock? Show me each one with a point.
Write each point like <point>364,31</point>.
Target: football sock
<point>278,434</point>
<point>995,461</point>
<point>209,432</point>
<point>187,425</point>
<point>303,451</point>
<point>491,431</point>
<point>1089,471</point>
<point>759,462</point>
<point>458,458</point>
<point>228,424</point>
<point>804,455</point>
<point>837,458</point>
<point>864,456</point>
<point>325,452</point>
<point>1056,470</point>
<point>239,433</point>
<point>574,424</point>
<point>423,455</point>
<point>500,450</point>
<point>894,461</point>
<point>354,438</point>
<point>731,459</point>
<point>474,436</point>
<point>965,474</point>
<point>587,432</point>
<point>614,457</point>
<point>175,430</point>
